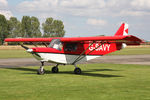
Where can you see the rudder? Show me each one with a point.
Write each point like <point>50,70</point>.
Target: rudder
<point>123,30</point>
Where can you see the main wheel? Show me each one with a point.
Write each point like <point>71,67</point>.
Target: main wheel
<point>55,69</point>
<point>40,72</point>
<point>77,70</point>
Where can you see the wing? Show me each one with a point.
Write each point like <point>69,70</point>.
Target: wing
<point>28,39</point>
<point>129,39</point>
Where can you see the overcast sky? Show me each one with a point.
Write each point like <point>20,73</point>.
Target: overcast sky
<point>87,17</point>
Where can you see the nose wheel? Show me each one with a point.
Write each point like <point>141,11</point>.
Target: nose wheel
<point>41,70</point>
<point>55,69</point>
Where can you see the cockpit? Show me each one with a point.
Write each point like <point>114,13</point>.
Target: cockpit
<point>68,47</point>
<point>56,44</point>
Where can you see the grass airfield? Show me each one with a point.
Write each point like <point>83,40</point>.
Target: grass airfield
<point>97,82</point>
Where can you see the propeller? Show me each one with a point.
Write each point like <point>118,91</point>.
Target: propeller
<point>24,47</point>
<point>30,50</point>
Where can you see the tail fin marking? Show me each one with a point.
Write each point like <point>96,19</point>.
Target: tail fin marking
<point>123,30</point>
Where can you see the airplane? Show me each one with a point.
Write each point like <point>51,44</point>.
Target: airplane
<point>73,50</point>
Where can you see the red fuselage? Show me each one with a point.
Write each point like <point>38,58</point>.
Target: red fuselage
<point>78,48</point>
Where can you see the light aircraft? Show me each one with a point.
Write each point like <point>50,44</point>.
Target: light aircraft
<point>73,50</point>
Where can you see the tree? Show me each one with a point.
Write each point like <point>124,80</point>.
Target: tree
<point>35,27</point>
<point>14,27</point>
<point>3,28</point>
<point>26,26</point>
<point>53,28</point>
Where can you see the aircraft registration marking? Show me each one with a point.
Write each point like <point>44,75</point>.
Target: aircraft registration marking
<point>104,47</point>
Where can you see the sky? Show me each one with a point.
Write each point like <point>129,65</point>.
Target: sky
<point>86,17</point>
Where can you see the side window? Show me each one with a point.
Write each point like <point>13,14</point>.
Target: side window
<point>56,44</point>
<point>71,47</point>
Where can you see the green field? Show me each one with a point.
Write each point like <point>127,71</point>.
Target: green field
<point>132,51</point>
<point>14,54</point>
<point>23,54</point>
<point>97,82</point>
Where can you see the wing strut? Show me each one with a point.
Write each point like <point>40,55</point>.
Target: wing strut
<point>81,57</point>
<point>82,53</point>
<point>45,44</point>
<point>33,44</point>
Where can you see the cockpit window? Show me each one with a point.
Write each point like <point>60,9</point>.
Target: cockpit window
<point>56,44</point>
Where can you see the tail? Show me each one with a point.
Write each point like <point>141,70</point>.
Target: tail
<point>123,30</point>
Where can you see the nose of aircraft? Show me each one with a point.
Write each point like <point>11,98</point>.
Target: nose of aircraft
<point>30,50</point>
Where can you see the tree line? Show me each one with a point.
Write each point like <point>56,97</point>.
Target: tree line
<point>29,27</point>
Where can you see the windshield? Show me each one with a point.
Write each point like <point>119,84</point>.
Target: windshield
<point>56,44</point>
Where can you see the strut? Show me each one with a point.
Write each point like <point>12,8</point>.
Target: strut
<point>81,57</point>
<point>82,53</point>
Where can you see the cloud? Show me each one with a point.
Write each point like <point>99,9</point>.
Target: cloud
<point>3,3</point>
<point>96,22</point>
<point>3,9</point>
<point>79,13</point>
<point>6,13</point>
<point>37,5</point>
<point>141,4</point>
<point>88,8</point>
<point>83,3</point>
<point>133,13</point>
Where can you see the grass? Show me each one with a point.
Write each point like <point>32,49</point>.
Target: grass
<point>132,51</point>
<point>97,82</point>
<point>13,53</point>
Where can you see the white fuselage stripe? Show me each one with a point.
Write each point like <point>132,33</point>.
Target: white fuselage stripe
<point>64,58</point>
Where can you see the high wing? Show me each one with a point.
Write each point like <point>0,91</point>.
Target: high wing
<point>129,39</point>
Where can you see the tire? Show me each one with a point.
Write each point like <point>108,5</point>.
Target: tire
<point>55,70</point>
<point>39,72</point>
<point>77,71</point>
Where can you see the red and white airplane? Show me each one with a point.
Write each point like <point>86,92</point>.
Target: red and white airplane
<point>76,49</point>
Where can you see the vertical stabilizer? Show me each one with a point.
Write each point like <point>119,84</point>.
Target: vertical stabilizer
<point>123,30</point>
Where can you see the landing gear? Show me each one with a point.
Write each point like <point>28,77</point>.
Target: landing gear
<point>77,70</point>
<point>55,69</point>
<point>41,71</point>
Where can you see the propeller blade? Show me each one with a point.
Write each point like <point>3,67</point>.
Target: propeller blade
<point>24,47</point>
<point>30,50</point>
